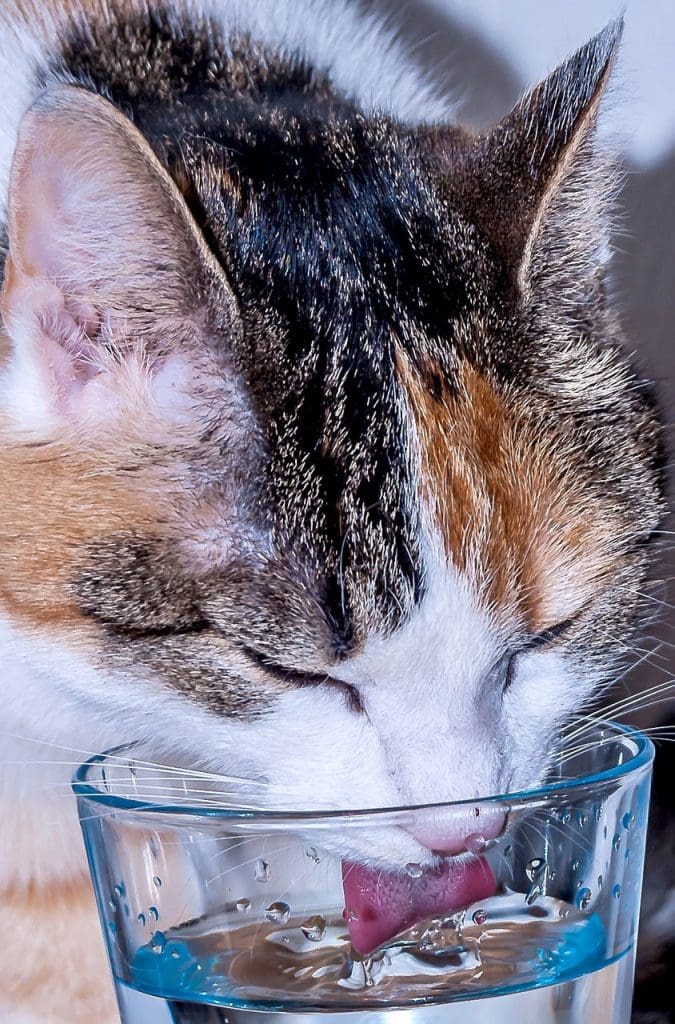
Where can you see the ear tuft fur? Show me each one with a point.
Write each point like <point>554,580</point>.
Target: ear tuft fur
<point>107,274</point>
<point>532,184</point>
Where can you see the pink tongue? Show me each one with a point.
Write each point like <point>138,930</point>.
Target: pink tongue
<point>379,904</point>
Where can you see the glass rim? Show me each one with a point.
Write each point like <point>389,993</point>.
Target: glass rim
<point>641,758</point>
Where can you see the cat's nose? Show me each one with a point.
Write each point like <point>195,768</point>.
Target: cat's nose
<point>453,830</point>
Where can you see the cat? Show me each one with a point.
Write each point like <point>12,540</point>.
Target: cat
<point>318,434</point>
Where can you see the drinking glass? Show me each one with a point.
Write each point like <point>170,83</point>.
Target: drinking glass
<point>213,913</point>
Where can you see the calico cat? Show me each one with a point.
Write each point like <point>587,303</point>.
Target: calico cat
<point>318,435</point>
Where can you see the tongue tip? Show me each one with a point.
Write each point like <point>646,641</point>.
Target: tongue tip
<point>379,904</point>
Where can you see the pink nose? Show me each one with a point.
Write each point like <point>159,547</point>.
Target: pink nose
<point>455,830</point>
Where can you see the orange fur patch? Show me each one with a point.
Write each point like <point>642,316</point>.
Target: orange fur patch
<point>504,495</point>
<point>57,968</point>
<point>53,502</point>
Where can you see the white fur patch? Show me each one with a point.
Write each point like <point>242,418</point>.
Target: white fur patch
<point>435,727</point>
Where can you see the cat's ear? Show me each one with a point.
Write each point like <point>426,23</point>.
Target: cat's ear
<point>108,276</point>
<point>538,166</point>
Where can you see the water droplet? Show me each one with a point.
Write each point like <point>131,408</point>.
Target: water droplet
<point>479,916</point>
<point>534,868</point>
<point>262,871</point>
<point>584,898</point>
<point>575,865</point>
<point>158,942</point>
<point>507,850</point>
<point>597,812</point>
<point>314,928</point>
<point>113,927</point>
<point>127,910</point>
<point>616,892</point>
<point>414,870</point>
<point>582,819</point>
<point>616,841</point>
<point>313,854</point>
<point>278,912</point>
<point>604,832</point>
<point>599,881</point>
<point>564,912</point>
<point>120,890</point>
<point>628,820</point>
<point>533,893</point>
<point>243,905</point>
<point>154,913</point>
<point>476,843</point>
<point>112,904</point>
<point>141,920</point>
<point>157,881</point>
<point>565,817</point>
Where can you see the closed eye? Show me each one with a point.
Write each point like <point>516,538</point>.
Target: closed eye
<point>547,636</point>
<point>294,677</point>
<point>281,672</point>
<point>543,639</point>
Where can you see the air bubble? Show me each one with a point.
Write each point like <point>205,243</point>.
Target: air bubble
<point>575,865</point>
<point>616,892</point>
<point>628,820</point>
<point>565,817</point>
<point>313,854</point>
<point>262,871</point>
<point>243,905</point>
<point>616,841</point>
<point>476,843</point>
<point>141,920</point>
<point>278,912</point>
<point>120,890</point>
<point>584,898</point>
<point>154,913</point>
<point>533,893</point>
<point>479,916</point>
<point>414,870</point>
<point>157,881</point>
<point>314,928</point>
<point>582,819</point>
<point>599,881</point>
<point>535,868</point>
<point>158,942</point>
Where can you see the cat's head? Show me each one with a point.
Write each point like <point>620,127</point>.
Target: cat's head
<point>322,462</point>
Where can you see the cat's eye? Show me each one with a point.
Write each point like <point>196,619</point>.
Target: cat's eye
<point>547,636</point>
<point>509,662</point>
<point>299,678</point>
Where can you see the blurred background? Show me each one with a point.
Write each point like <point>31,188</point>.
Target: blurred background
<point>484,54</point>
